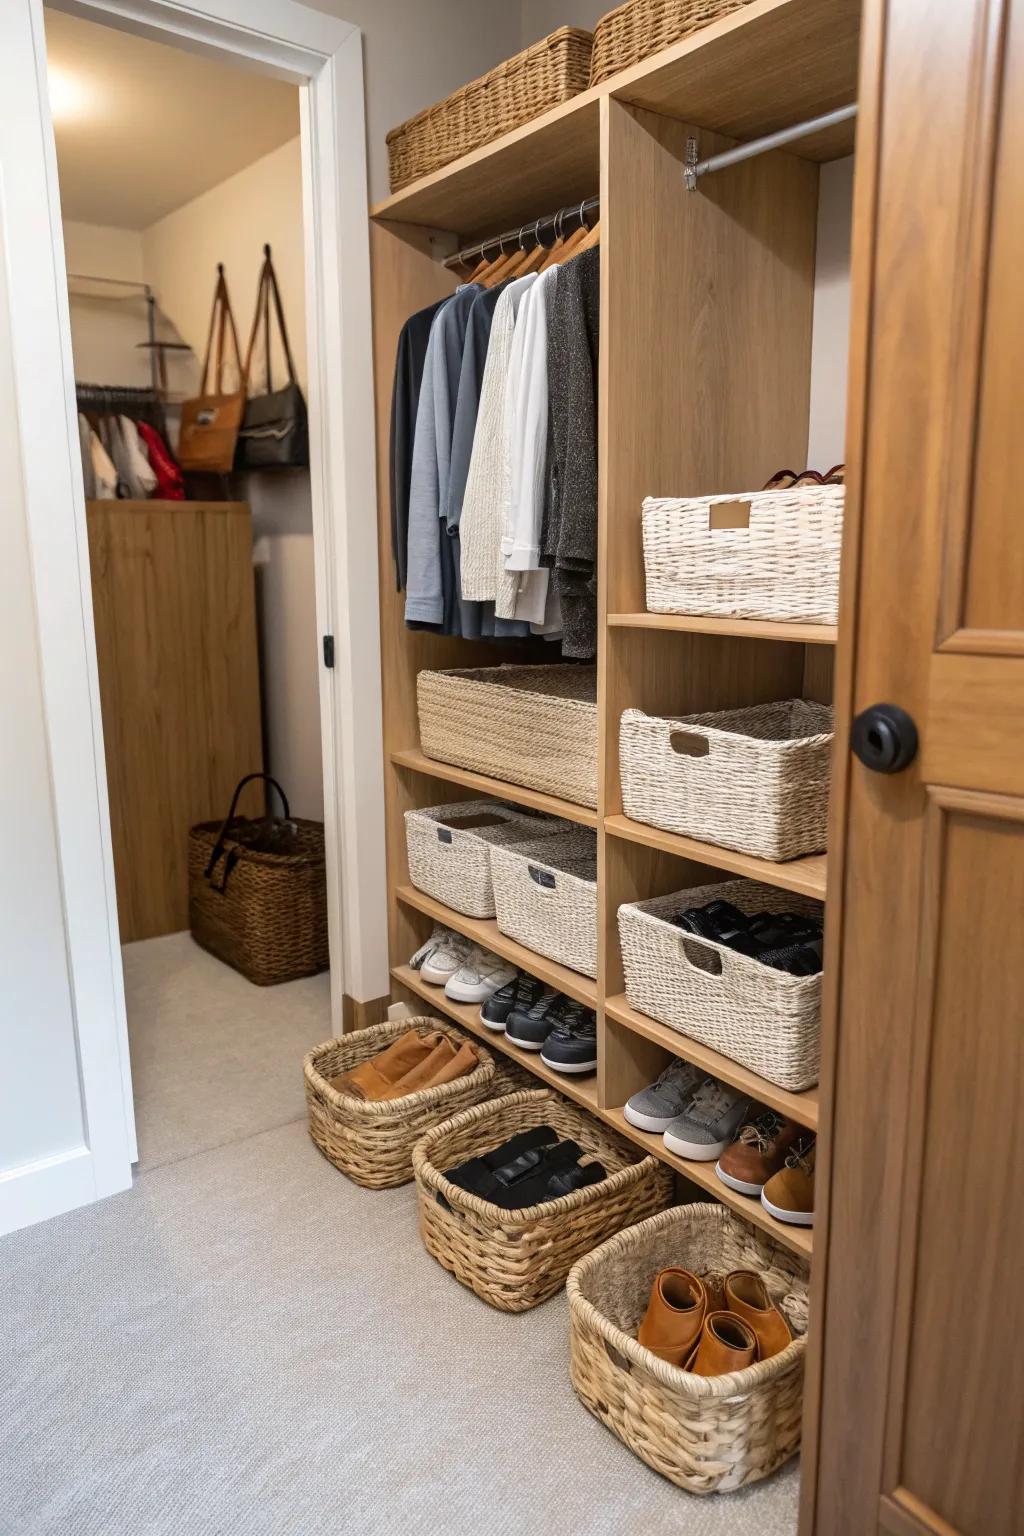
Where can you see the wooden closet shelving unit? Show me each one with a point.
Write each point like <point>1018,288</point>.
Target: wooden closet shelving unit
<point>706,307</point>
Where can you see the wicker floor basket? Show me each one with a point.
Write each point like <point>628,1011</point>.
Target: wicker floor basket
<point>708,1434</point>
<point>373,1142</point>
<point>520,89</point>
<point>766,555</point>
<point>641,27</point>
<point>449,848</point>
<point>515,1259</point>
<point>765,1019</point>
<point>545,895</point>
<point>535,726</point>
<point>754,779</point>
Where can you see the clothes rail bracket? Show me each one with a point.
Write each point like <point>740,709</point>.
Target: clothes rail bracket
<point>694,169</point>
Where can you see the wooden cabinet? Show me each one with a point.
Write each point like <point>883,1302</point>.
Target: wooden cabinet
<point>174,607</point>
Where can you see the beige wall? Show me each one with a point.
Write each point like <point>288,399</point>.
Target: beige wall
<point>540,17</point>
<point>106,324</point>
<point>831,336</point>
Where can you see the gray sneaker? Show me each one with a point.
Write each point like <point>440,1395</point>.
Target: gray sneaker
<point>655,1107</point>
<point>709,1122</point>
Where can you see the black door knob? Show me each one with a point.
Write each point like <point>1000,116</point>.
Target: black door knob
<point>884,737</point>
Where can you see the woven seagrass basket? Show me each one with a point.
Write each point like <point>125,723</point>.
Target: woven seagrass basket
<point>373,1142</point>
<point>516,1259</point>
<point>760,555</point>
<point>449,848</point>
<point>755,779</point>
<point>641,27</point>
<point>545,896</point>
<point>515,92</point>
<point>708,1434</point>
<point>535,726</point>
<point>765,1019</point>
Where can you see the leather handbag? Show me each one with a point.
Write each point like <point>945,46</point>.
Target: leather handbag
<point>210,422</point>
<point>275,429</point>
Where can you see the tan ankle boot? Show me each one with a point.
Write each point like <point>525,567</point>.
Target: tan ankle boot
<point>443,1066</point>
<point>674,1316</point>
<point>746,1295</point>
<point>374,1079</point>
<point>726,1344</point>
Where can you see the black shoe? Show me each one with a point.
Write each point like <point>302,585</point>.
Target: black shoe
<point>495,1011</point>
<point>571,1045</point>
<point>529,1027</point>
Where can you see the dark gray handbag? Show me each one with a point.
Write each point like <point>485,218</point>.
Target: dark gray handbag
<point>275,430</point>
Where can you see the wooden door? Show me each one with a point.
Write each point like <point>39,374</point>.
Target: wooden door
<point>915,1401</point>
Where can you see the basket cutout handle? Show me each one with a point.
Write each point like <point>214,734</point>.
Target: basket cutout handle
<point>699,956</point>
<point>728,514</point>
<point>687,742</point>
<point>545,878</point>
<point>617,1358</point>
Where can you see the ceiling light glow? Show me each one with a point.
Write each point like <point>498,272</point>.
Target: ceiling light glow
<point>69,98</point>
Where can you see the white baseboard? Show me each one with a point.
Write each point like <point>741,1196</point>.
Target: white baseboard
<point>49,1187</point>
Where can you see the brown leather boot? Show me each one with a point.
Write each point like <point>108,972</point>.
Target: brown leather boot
<point>674,1315</point>
<point>374,1079</point>
<point>747,1296</point>
<point>726,1344</point>
<point>444,1064</point>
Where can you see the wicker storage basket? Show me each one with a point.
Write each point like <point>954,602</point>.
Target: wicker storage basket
<point>265,914</point>
<point>641,27</point>
<point>753,779</point>
<point>516,1259</point>
<point>708,1434</point>
<point>373,1142</point>
<point>535,726</point>
<point>765,555</point>
<point>765,1019</point>
<point>542,76</point>
<point>449,848</point>
<point>545,895</point>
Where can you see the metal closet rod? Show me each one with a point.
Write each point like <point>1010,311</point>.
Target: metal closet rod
<point>112,282</point>
<point>515,237</point>
<point>695,168</point>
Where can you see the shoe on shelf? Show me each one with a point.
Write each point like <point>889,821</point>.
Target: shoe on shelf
<point>441,956</point>
<point>789,1194</point>
<point>571,1045</point>
<point>518,995</point>
<point>708,1123</point>
<point>529,1027</point>
<point>758,1152</point>
<point>675,1316</point>
<point>481,974</point>
<point>726,1344</point>
<point>747,1296</point>
<point>655,1107</point>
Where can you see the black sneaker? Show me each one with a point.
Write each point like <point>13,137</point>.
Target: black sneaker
<point>528,1027</point>
<point>571,1045</point>
<point>495,1011</point>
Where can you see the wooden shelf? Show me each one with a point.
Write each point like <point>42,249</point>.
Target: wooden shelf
<point>801,1107</point>
<point>485,931</point>
<point>797,1239</point>
<point>804,876</point>
<point>534,799</point>
<point>707,624</point>
<point>582,1090</point>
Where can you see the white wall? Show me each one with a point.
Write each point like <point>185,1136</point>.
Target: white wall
<point>106,324</point>
<point>831,335</point>
<point>541,17</point>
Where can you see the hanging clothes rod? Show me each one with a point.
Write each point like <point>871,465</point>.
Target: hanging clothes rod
<point>695,168</point>
<point>531,230</point>
<point>147,293</point>
<point>111,282</point>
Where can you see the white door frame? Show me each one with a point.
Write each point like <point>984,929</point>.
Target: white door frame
<point>322,55</point>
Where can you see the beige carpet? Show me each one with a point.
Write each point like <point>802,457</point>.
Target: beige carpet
<point>246,1344</point>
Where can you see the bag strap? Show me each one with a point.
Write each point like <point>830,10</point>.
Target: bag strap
<point>221,316</point>
<point>218,847</point>
<point>268,286</point>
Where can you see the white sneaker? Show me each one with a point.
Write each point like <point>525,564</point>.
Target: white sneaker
<point>480,976</point>
<point>441,956</point>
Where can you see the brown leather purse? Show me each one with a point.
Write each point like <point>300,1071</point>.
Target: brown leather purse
<point>210,422</point>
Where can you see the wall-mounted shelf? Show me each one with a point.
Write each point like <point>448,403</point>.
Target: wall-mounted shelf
<point>534,799</point>
<point>806,876</point>
<point>708,624</point>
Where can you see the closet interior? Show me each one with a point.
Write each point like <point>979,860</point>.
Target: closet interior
<point>707,300</point>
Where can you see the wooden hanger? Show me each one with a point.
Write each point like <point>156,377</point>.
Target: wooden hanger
<point>593,237</point>
<point>535,257</point>
<point>499,266</point>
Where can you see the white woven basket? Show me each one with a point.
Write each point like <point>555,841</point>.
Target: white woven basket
<point>758,555</point>
<point>752,779</point>
<point>765,1019</point>
<point>535,726</point>
<point>449,849</point>
<point>546,897</point>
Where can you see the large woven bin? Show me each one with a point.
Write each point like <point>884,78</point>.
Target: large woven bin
<point>763,555</point>
<point>755,779</point>
<point>765,1019</point>
<point>373,1142</point>
<point>449,849</point>
<point>641,27</point>
<point>545,895</point>
<point>516,1259</point>
<point>534,726</point>
<point>515,92</point>
<point>264,914</point>
<point>708,1434</point>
